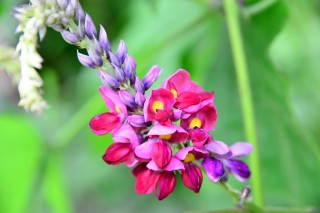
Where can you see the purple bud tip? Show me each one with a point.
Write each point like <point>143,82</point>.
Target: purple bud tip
<point>85,60</point>
<point>138,85</point>
<point>89,27</point>
<point>69,37</point>
<point>140,99</point>
<point>103,39</point>
<point>80,16</point>
<point>122,51</point>
<point>114,59</point>
<point>81,31</point>
<point>128,99</point>
<point>129,67</point>
<point>95,58</point>
<point>97,48</point>
<point>151,77</point>
<point>119,74</point>
<point>108,80</point>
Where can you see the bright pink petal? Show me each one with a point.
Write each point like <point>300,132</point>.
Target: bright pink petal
<point>180,135</point>
<point>174,164</point>
<point>104,123</point>
<point>198,137</point>
<point>117,153</point>
<point>161,154</point>
<point>144,151</point>
<point>145,181</point>
<point>112,100</point>
<point>159,129</point>
<point>125,134</point>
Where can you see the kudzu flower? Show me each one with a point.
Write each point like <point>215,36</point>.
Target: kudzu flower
<point>168,133</point>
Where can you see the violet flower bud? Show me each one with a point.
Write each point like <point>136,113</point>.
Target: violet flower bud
<point>129,68</point>
<point>122,51</point>
<point>86,60</point>
<point>97,48</point>
<point>89,27</point>
<point>113,59</point>
<point>69,37</point>
<point>139,86</point>
<point>71,8</point>
<point>140,99</point>
<point>103,39</point>
<point>119,74</point>
<point>96,58</point>
<point>80,15</point>
<point>108,80</point>
<point>80,30</point>
<point>151,77</point>
<point>128,99</point>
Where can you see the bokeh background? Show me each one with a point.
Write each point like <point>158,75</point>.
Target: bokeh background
<point>52,163</point>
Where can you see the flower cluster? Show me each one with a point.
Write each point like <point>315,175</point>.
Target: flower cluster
<point>166,134</point>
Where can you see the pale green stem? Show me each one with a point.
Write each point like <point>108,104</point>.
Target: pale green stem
<point>232,16</point>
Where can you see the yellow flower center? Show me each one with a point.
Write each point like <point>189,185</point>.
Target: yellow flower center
<point>157,105</point>
<point>118,110</point>
<point>165,137</point>
<point>174,92</point>
<point>190,157</point>
<point>195,123</point>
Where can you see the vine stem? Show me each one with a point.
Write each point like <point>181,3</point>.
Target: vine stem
<point>232,17</point>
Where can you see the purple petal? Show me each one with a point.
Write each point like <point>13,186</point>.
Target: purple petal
<point>69,37</point>
<point>114,60</point>
<point>103,39</point>
<point>127,99</point>
<point>138,85</point>
<point>144,150</point>
<point>151,77</point>
<point>177,114</point>
<point>108,80</point>
<point>137,120</point>
<point>218,147</point>
<point>97,48</point>
<point>119,74</point>
<point>214,168</point>
<point>89,27</point>
<point>122,51</point>
<point>95,57</point>
<point>239,169</point>
<point>158,129</point>
<point>80,16</point>
<point>241,149</point>
<point>140,99</point>
<point>129,67</point>
<point>86,60</point>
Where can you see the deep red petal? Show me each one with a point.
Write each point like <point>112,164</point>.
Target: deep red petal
<point>165,185</point>
<point>104,123</point>
<point>145,181</point>
<point>192,177</point>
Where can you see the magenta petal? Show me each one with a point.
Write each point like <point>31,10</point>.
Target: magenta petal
<point>218,147</point>
<point>158,129</point>
<point>182,153</point>
<point>174,164</point>
<point>153,166</point>
<point>144,151</point>
<point>165,185</point>
<point>137,120</point>
<point>104,123</point>
<point>112,100</point>
<point>117,153</point>
<point>145,181</point>
<point>125,134</point>
<point>161,154</point>
<point>179,136</point>
<point>214,168</point>
<point>192,177</point>
<point>241,149</point>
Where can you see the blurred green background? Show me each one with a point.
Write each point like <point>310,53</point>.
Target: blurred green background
<point>52,163</point>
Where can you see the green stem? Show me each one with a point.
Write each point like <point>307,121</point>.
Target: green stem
<point>232,16</point>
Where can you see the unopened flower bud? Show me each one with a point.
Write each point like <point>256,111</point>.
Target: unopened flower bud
<point>89,27</point>
<point>122,51</point>
<point>69,37</point>
<point>108,80</point>
<point>128,99</point>
<point>86,60</point>
<point>151,77</point>
<point>103,39</point>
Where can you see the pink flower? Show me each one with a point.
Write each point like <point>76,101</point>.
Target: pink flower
<point>191,102</point>
<point>204,119</point>
<point>104,123</point>
<point>191,175</point>
<point>122,151</point>
<point>180,82</point>
<point>172,133</point>
<point>113,101</point>
<point>158,106</point>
